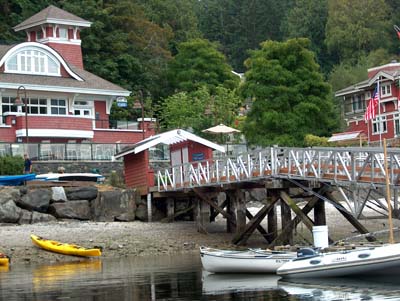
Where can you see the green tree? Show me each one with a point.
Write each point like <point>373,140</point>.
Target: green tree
<point>198,110</point>
<point>240,25</point>
<point>307,19</point>
<point>199,63</point>
<point>290,98</point>
<point>356,27</point>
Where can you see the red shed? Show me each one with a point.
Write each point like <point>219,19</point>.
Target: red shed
<point>184,147</point>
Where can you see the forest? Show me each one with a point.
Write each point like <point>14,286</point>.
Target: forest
<point>178,55</point>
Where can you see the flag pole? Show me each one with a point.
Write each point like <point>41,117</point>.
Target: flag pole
<point>379,111</point>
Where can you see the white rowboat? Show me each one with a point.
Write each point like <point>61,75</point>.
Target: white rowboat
<point>343,263</point>
<point>250,261</point>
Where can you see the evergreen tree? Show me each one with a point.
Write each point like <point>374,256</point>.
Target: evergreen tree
<point>290,97</point>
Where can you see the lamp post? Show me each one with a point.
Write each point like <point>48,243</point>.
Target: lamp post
<point>19,102</point>
<point>138,104</point>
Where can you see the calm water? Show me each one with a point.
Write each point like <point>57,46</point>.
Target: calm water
<point>174,278</point>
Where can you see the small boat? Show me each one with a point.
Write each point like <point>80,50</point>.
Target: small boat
<point>16,180</point>
<point>78,176</point>
<point>362,261</point>
<point>64,248</point>
<point>4,260</point>
<point>249,261</point>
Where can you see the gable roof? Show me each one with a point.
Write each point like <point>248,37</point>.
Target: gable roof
<point>52,15</point>
<point>171,137</point>
<point>81,81</point>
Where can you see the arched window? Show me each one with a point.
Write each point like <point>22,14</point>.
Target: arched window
<point>33,61</point>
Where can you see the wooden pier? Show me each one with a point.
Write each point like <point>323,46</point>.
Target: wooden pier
<point>347,178</point>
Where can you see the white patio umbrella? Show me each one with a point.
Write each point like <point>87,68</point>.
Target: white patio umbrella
<point>221,129</point>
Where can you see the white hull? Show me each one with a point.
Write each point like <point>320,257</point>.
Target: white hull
<point>252,261</point>
<point>344,263</point>
<point>215,284</point>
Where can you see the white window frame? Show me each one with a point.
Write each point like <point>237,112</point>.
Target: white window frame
<point>58,106</point>
<point>386,90</point>
<point>83,107</point>
<point>33,61</point>
<point>38,106</point>
<point>63,30</point>
<point>380,121</point>
<point>396,124</point>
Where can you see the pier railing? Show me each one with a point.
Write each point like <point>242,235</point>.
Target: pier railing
<point>364,166</point>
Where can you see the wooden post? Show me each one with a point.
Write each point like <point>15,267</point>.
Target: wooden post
<point>203,216</point>
<point>240,210</point>
<point>286,217</point>
<point>319,213</point>
<point>170,209</point>
<point>230,208</point>
<point>149,209</point>
<point>272,224</point>
<point>388,197</point>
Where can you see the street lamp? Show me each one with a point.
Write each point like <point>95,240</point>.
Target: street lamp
<point>19,102</point>
<point>138,104</point>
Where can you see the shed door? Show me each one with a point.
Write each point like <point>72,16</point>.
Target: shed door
<point>185,155</point>
<point>176,158</point>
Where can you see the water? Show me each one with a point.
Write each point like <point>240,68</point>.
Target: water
<point>174,278</point>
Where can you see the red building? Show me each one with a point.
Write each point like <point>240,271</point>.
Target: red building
<point>64,101</point>
<point>184,147</point>
<point>356,98</point>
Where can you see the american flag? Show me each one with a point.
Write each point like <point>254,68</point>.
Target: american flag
<point>370,113</point>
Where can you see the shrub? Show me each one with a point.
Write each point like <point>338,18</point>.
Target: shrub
<point>11,165</point>
<point>116,180</point>
<point>312,140</point>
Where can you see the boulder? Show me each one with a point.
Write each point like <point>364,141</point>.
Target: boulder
<point>9,212</point>
<point>141,212</point>
<point>58,194</point>
<point>36,200</point>
<point>81,193</point>
<point>76,210</point>
<point>9,193</point>
<point>114,205</point>
<point>42,218</point>
<point>25,217</point>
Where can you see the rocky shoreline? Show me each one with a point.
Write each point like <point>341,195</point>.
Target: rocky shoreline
<point>117,239</point>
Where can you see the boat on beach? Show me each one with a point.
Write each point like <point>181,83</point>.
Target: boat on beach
<point>79,176</point>
<point>64,248</point>
<point>362,261</point>
<point>16,180</point>
<point>249,261</point>
<point>4,260</point>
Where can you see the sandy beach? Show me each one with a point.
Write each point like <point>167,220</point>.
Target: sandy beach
<point>139,238</point>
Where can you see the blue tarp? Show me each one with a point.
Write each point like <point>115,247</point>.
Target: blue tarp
<point>16,180</point>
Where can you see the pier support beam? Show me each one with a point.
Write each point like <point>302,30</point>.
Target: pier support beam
<point>286,217</point>
<point>319,213</point>
<point>170,209</point>
<point>203,216</point>
<point>272,224</point>
<point>240,210</point>
<point>231,222</point>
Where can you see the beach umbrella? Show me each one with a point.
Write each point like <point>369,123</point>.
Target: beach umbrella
<point>221,129</point>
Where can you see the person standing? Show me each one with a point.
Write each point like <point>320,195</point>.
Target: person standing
<point>27,164</point>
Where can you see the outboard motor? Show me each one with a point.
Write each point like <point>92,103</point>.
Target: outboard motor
<point>305,252</point>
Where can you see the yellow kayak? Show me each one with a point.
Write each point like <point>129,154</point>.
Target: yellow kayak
<point>4,260</point>
<point>63,248</point>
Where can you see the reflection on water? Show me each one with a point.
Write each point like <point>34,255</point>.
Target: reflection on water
<point>175,278</point>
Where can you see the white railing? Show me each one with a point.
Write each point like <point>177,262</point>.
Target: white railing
<point>336,165</point>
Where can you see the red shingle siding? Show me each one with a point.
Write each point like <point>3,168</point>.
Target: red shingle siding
<point>48,122</point>
<point>136,171</point>
<point>7,135</point>
<point>49,31</point>
<point>71,53</point>
<point>107,136</point>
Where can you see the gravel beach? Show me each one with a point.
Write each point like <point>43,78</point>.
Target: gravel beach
<point>137,238</point>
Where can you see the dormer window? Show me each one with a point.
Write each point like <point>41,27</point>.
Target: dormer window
<point>39,35</point>
<point>63,33</point>
<point>32,61</point>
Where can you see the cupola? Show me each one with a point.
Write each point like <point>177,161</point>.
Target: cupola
<point>59,30</point>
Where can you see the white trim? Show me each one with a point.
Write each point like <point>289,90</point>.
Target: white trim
<point>61,89</point>
<point>55,133</point>
<point>61,41</point>
<point>53,21</point>
<point>384,66</point>
<point>18,47</point>
<point>171,137</point>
